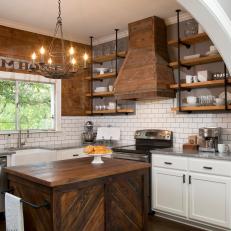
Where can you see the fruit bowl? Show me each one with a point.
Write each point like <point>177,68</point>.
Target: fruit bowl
<point>98,158</point>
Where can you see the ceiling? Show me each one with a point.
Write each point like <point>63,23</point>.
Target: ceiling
<point>82,18</point>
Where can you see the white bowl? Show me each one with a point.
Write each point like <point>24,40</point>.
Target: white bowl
<point>219,101</point>
<point>101,70</point>
<point>192,100</point>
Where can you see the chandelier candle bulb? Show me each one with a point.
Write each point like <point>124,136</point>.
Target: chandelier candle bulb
<point>71,52</point>
<point>85,58</point>
<point>73,62</point>
<point>50,61</point>
<point>33,57</point>
<point>42,52</point>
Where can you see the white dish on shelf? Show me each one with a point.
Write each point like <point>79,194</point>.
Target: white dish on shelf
<point>101,70</point>
<point>192,104</point>
<point>212,52</point>
<point>100,89</point>
<point>222,96</point>
<point>191,56</point>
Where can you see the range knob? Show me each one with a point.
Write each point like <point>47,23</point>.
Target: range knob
<point>138,133</point>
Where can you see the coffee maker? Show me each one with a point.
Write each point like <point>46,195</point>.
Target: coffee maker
<point>209,139</point>
<point>88,136</point>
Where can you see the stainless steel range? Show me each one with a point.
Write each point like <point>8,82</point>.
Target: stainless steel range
<point>145,141</point>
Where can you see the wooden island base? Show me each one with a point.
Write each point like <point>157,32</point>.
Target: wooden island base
<point>83,197</point>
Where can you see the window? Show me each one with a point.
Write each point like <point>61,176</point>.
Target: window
<point>28,104</point>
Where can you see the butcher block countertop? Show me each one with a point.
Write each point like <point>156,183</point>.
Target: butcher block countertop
<point>58,173</point>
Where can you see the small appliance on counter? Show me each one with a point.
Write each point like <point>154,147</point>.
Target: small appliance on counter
<point>209,139</point>
<point>88,136</point>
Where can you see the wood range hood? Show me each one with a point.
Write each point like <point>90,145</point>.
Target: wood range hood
<point>145,73</point>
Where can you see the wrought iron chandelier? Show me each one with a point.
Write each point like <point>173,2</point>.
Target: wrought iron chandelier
<point>59,65</point>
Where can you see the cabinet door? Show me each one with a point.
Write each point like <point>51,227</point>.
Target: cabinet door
<point>169,191</point>
<point>209,199</point>
<point>71,154</point>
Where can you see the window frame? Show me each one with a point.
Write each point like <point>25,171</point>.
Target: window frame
<point>4,75</point>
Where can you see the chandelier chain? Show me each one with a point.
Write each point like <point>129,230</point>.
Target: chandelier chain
<point>59,3</point>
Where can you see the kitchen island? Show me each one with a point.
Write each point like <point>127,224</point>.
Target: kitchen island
<point>81,196</point>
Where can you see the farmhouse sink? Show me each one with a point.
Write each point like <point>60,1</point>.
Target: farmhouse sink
<point>32,156</point>
<point>27,151</point>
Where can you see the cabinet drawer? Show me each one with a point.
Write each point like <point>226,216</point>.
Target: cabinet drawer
<point>70,154</point>
<point>215,167</point>
<point>168,161</point>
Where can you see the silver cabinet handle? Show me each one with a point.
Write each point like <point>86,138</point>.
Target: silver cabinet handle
<point>190,179</point>
<point>209,168</point>
<point>183,178</point>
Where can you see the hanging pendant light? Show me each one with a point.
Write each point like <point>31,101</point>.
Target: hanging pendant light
<point>59,65</point>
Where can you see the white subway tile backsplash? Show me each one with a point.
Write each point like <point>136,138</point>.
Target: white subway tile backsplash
<point>149,114</point>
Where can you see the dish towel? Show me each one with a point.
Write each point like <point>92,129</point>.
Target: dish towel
<point>13,213</point>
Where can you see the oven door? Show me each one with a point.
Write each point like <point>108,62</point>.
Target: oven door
<point>131,156</point>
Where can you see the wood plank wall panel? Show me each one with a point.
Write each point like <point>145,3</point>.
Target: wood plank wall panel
<point>83,209</point>
<point>127,203</point>
<point>20,44</point>
<point>34,219</point>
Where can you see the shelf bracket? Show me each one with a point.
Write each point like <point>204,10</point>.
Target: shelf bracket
<point>186,66</point>
<point>185,44</point>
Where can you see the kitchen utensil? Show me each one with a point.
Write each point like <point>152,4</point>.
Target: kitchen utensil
<point>191,28</point>
<point>200,29</point>
<point>222,148</point>
<point>206,100</point>
<point>212,53</point>
<point>222,95</point>
<point>219,101</point>
<point>209,137</point>
<point>192,139</point>
<point>111,105</point>
<point>192,100</point>
<point>101,70</point>
<point>189,78</point>
<point>110,88</point>
<point>204,75</point>
<point>212,48</point>
<point>191,56</point>
<point>100,89</point>
<point>88,136</point>
<point>195,79</point>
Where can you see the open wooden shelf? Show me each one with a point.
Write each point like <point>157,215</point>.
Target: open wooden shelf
<point>190,40</point>
<point>197,61</point>
<point>128,110</point>
<point>210,83</point>
<point>110,57</point>
<point>102,76</point>
<point>201,108</point>
<point>101,94</point>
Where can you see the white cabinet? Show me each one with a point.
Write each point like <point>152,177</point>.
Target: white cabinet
<point>169,191</point>
<point>203,195</point>
<point>209,199</point>
<point>70,154</point>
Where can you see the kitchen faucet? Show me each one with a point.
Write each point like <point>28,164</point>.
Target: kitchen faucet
<point>20,143</point>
